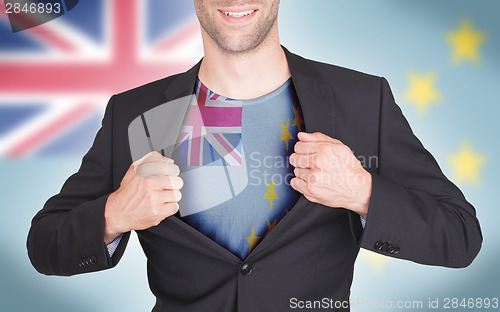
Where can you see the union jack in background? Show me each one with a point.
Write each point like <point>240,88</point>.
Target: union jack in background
<point>56,78</point>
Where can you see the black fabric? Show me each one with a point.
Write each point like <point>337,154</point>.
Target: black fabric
<point>415,212</point>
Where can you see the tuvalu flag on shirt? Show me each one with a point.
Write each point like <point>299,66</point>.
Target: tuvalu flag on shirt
<point>204,132</point>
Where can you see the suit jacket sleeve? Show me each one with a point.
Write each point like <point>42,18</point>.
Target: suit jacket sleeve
<point>67,236</point>
<point>414,209</point>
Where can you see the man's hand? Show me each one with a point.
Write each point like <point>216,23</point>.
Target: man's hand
<point>328,173</point>
<point>148,193</point>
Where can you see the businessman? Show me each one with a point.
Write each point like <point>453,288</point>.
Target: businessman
<point>284,230</point>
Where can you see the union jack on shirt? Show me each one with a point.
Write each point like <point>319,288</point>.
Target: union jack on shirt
<point>211,132</point>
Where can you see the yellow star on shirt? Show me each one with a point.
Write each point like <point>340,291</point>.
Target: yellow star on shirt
<point>252,240</point>
<point>286,135</point>
<point>465,42</point>
<point>271,193</point>
<point>422,91</point>
<point>466,164</point>
<point>298,121</point>
<point>270,226</point>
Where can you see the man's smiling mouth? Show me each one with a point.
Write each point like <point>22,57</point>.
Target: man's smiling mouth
<point>238,14</point>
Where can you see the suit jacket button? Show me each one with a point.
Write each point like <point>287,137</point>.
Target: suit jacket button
<point>246,269</point>
<point>384,246</point>
<point>396,249</point>
<point>93,260</point>
<point>378,245</point>
<point>390,249</point>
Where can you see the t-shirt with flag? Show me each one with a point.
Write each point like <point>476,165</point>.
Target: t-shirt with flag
<point>234,160</point>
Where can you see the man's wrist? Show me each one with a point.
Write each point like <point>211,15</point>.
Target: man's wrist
<point>110,235</point>
<point>111,230</point>
<point>361,201</point>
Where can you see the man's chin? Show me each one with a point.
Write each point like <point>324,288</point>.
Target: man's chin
<point>235,46</point>
<point>239,50</point>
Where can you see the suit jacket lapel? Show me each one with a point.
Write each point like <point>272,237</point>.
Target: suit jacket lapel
<point>183,84</point>
<point>316,98</point>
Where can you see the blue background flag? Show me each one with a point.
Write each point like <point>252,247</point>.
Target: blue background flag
<point>440,57</point>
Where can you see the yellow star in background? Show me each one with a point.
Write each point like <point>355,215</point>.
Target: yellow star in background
<point>466,164</point>
<point>422,91</point>
<point>270,226</point>
<point>465,42</point>
<point>271,193</point>
<point>377,261</point>
<point>298,121</point>
<point>286,135</point>
<point>252,240</point>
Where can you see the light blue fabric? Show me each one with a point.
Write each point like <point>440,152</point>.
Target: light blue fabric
<point>112,246</point>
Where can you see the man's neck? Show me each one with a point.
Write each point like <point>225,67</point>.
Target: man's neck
<point>244,76</point>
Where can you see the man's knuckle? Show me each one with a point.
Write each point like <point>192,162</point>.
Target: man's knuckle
<point>148,184</point>
<point>309,188</point>
<point>144,166</point>
<point>172,208</point>
<point>345,150</point>
<point>172,183</point>
<point>173,169</point>
<point>180,182</point>
<point>314,173</point>
<point>318,161</point>
<point>323,149</point>
<point>167,183</point>
<point>298,146</point>
<point>177,195</point>
<point>318,178</point>
<point>312,178</point>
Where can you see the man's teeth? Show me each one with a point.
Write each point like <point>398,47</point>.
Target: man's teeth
<point>239,14</point>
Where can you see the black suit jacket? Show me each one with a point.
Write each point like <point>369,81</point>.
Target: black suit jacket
<point>415,212</point>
